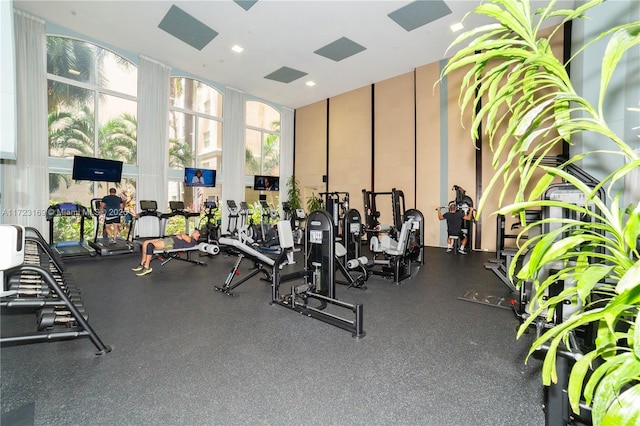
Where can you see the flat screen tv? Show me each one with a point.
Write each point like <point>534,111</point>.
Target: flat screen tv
<point>266,183</point>
<point>96,169</point>
<point>199,177</point>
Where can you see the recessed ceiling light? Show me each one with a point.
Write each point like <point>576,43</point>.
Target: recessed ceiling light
<point>237,49</point>
<point>457,27</point>
<point>310,83</point>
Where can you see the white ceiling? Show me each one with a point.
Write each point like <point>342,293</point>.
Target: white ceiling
<point>274,33</point>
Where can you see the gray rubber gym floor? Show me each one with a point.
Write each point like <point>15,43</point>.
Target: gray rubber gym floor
<point>184,354</point>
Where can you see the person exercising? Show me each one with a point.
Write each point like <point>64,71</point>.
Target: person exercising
<point>454,218</point>
<point>178,241</point>
<point>113,208</point>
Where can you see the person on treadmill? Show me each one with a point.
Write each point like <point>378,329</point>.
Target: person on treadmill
<point>454,218</point>
<point>113,208</point>
<point>173,242</point>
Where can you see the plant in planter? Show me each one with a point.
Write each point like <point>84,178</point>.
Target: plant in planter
<point>511,68</point>
<point>293,193</point>
<point>314,203</point>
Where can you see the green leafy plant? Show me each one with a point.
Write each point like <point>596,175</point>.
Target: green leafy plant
<point>529,107</point>
<point>314,203</point>
<point>293,193</point>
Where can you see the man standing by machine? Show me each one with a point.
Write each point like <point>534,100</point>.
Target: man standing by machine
<point>454,218</point>
<point>113,208</point>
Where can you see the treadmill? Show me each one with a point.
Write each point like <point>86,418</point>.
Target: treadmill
<point>67,249</point>
<point>101,244</point>
<point>177,209</point>
<point>149,223</point>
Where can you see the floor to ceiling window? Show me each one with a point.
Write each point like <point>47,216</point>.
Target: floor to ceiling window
<point>195,144</point>
<point>92,107</point>
<point>262,151</point>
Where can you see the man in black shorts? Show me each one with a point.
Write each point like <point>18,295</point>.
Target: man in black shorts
<point>454,219</point>
<point>174,242</point>
<point>113,208</point>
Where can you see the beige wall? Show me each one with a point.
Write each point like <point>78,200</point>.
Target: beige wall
<point>394,141</point>
<point>428,149</point>
<point>310,162</point>
<point>411,131</point>
<point>350,144</point>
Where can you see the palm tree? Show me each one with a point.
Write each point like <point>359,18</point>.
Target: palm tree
<point>71,133</point>
<point>180,153</point>
<point>74,60</point>
<point>117,139</point>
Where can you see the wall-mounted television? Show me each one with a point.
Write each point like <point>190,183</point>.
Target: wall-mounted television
<point>266,183</point>
<point>96,169</point>
<point>199,177</point>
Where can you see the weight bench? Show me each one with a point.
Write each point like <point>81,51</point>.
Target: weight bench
<point>168,255</point>
<point>260,260</point>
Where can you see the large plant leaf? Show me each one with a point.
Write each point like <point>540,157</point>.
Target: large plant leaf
<point>624,410</point>
<point>621,41</point>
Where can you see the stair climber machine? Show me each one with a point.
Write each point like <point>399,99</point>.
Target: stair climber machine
<point>100,242</point>
<point>316,297</point>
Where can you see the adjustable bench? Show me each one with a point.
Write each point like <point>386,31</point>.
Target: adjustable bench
<point>169,255</point>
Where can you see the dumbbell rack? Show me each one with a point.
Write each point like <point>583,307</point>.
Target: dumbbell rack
<point>48,290</point>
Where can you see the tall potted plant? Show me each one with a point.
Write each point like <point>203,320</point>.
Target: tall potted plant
<point>293,193</point>
<point>511,68</point>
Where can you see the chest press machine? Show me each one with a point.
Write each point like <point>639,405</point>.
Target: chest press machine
<point>319,273</point>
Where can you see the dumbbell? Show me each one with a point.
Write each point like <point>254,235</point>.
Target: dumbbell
<point>40,293</point>
<point>212,249</point>
<point>59,310</point>
<point>49,320</point>
<point>20,286</point>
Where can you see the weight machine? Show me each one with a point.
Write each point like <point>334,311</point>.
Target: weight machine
<point>372,214</point>
<point>395,258</point>
<point>319,285</point>
<point>556,405</point>
<point>337,208</point>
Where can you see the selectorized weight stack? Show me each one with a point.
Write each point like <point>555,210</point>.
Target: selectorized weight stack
<point>320,278</point>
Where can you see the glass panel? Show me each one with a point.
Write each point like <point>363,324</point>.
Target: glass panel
<point>181,139</point>
<point>262,115</point>
<point>71,121</point>
<point>71,59</point>
<point>118,129</point>
<point>120,75</point>
<point>253,152</point>
<point>207,99</point>
<point>209,143</point>
<point>271,155</point>
<point>62,189</point>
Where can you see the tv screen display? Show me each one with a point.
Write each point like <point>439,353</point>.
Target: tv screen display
<point>199,177</point>
<point>96,169</point>
<point>266,183</point>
